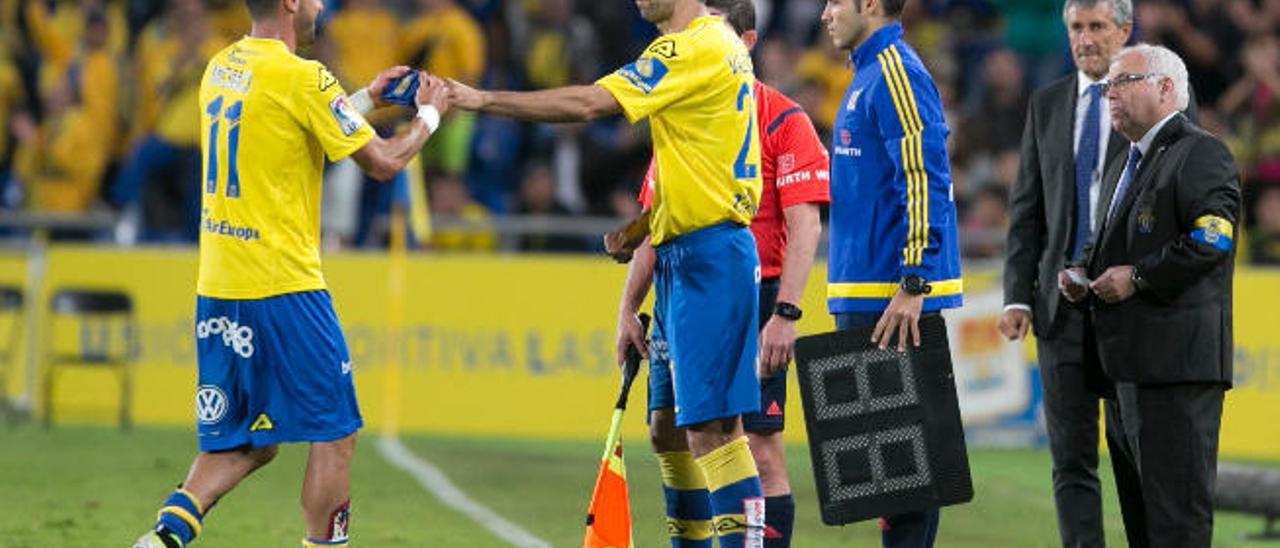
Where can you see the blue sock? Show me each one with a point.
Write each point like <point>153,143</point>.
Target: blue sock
<point>180,516</point>
<point>736,495</point>
<point>688,501</point>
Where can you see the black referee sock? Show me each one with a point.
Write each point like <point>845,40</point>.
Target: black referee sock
<point>779,516</point>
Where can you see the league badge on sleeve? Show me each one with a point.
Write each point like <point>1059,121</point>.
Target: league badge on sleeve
<point>645,73</point>
<point>348,120</point>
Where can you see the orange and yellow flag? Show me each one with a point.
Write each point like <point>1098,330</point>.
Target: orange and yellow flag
<point>609,515</point>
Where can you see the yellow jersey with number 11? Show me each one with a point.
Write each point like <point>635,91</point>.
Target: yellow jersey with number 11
<point>269,118</point>
<point>695,87</point>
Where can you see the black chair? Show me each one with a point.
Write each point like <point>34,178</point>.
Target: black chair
<point>102,317</point>
<point>10,312</point>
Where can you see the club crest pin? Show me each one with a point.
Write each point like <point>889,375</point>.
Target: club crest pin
<point>1146,220</point>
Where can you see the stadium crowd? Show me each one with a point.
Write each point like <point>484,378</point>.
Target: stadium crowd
<point>98,106</point>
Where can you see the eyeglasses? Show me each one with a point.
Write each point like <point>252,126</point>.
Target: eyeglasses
<point>1122,80</point>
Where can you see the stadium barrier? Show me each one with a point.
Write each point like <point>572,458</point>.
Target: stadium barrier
<point>522,345</point>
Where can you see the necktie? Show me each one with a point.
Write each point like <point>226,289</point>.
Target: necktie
<point>1086,162</point>
<point>1130,169</point>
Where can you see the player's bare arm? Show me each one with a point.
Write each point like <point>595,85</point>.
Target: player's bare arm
<point>559,105</point>
<point>383,158</point>
<point>778,339</point>
<point>634,290</point>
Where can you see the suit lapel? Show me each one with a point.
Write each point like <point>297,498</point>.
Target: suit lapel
<point>1146,170</point>
<point>1067,191</point>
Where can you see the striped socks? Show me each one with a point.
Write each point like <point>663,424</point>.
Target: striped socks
<point>736,495</point>
<point>688,501</point>
<point>180,517</point>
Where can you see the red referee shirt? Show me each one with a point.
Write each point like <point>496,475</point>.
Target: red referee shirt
<point>795,170</point>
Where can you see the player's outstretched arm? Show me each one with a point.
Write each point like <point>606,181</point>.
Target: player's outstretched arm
<point>383,158</point>
<point>559,105</point>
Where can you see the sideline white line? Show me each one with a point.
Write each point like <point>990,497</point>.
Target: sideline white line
<point>437,483</point>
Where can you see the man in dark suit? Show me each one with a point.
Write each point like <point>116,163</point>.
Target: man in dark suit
<point>1066,147</point>
<point>1159,303</point>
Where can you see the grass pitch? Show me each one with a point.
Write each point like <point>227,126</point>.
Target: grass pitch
<point>95,487</point>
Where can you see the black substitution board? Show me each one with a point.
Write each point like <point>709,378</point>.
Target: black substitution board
<point>884,426</point>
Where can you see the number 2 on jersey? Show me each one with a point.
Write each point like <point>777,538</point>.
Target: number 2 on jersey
<point>232,116</point>
<point>741,169</point>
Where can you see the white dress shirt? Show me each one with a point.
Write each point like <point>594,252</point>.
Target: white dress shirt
<point>1104,134</point>
<point>1083,81</point>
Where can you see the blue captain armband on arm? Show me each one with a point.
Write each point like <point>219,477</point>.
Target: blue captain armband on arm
<point>1214,231</point>
<point>403,90</point>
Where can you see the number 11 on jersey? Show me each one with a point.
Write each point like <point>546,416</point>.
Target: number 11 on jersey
<point>232,116</point>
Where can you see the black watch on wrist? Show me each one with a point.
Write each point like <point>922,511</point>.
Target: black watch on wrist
<point>1139,282</point>
<point>915,285</point>
<point>787,311</point>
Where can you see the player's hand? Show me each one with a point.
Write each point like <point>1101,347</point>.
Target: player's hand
<point>777,346</point>
<point>1070,288</point>
<point>617,246</point>
<point>1114,285</point>
<point>465,97</point>
<point>630,333</point>
<point>622,243</point>
<point>433,91</point>
<point>380,82</point>
<point>902,318</point>
<point>1014,323</point>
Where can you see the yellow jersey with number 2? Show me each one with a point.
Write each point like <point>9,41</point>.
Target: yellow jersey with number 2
<point>695,87</point>
<point>269,118</point>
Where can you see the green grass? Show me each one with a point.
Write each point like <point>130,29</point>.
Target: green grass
<point>90,487</point>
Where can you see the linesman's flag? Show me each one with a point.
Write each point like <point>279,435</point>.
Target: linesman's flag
<point>609,514</point>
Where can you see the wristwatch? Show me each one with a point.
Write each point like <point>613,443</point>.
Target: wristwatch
<point>915,285</point>
<point>1135,276</point>
<point>787,311</point>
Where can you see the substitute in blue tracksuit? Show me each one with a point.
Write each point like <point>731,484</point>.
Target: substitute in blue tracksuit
<point>894,252</point>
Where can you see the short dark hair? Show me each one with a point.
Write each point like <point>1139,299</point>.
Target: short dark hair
<point>741,14</point>
<point>261,8</point>
<point>893,8</point>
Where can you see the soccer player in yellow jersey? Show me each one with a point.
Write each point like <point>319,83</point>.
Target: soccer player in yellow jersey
<point>273,364</point>
<point>695,86</point>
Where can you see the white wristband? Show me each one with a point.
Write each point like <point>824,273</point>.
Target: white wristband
<point>429,115</point>
<point>361,101</point>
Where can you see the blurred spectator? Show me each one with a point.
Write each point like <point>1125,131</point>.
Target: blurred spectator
<point>775,65</point>
<point>1253,104</point>
<point>827,70</point>
<point>1209,46</point>
<point>991,135</point>
<point>986,221</point>
<point>623,203</point>
<point>538,198</point>
<point>1264,241</point>
<point>12,101</point>
<point>365,38</point>
<point>446,41</point>
<point>450,202</point>
<point>60,161</point>
<point>56,30</point>
<point>559,47</point>
<point>1027,24</point>
<point>159,182</point>
<point>229,19</point>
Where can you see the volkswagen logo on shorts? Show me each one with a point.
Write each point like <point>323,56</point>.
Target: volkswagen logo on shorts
<point>235,336</point>
<point>211,404</point>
